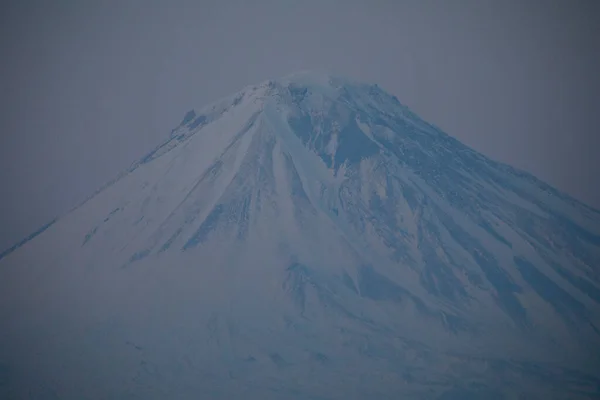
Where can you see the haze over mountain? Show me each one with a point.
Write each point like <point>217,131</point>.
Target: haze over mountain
<point>307,237</point>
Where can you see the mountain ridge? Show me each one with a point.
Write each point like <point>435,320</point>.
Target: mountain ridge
<point>321,214</point>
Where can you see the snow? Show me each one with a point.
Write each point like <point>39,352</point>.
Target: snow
<point>307,279</point>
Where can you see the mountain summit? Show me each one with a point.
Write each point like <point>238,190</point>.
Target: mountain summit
<point>308,237</point>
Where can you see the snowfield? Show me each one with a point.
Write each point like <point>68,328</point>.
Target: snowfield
<point>308,237</point>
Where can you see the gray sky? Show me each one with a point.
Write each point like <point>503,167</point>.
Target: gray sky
<point>89,86</point>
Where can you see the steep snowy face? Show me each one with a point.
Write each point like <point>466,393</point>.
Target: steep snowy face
<point>308,226</point>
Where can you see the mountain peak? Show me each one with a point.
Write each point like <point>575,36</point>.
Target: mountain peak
<point>314,78</point>
<point>308,226</point>
<point>309,77</point>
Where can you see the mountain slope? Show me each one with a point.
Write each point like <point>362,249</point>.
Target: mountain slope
<point>308,237</point>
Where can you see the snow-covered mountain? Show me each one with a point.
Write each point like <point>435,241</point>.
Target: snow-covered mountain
<point>307,238</point>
